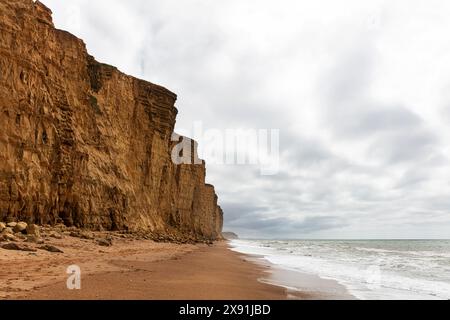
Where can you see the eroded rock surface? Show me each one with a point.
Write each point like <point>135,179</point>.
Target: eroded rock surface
<point>86,145</point>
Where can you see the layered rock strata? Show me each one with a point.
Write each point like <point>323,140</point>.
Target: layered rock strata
<point>84,144</point>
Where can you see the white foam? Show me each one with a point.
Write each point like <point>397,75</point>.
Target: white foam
<point>367,276</point>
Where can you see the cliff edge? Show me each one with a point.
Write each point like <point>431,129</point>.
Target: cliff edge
<point>87,145</point>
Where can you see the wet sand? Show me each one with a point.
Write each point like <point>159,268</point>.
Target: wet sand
<point>300,285</point>
<point>144,270</point>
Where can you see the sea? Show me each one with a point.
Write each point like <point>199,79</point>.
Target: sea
<point>369,269</point>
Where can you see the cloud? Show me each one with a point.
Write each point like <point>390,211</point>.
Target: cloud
<point>404,146</point>
<point>273,226</point>
<point>359,93</point>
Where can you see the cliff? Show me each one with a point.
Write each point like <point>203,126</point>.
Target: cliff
<point>86,145</point>
<point>230,236</point>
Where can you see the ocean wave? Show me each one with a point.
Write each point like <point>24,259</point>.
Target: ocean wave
<point>387,274</point>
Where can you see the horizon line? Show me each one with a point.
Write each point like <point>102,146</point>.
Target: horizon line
<point>345,239</point>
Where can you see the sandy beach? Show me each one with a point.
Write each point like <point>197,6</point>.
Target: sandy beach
<point>146,270</point>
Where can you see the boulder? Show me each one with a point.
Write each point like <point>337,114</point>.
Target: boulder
<point>9,237</point>
<point>11,224</point>
<point>35,239</point>
<point>50,248</point>
<point>7,230</point>
<point>20,236</point>
<point>55,235</point>
<point>20,227</point>
<point>82,235</point>
<point>104,242</point>
<point>17,247</point>
<point>2,226</point>
<point>33,230</point>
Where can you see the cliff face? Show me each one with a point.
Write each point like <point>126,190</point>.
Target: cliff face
<point>230,235</point>
<point>84,144</point>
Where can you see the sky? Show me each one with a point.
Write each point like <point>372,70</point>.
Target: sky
<point>359,91</point>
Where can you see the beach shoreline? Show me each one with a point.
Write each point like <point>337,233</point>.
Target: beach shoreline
<point>298,285</point>
<point>146,270</point>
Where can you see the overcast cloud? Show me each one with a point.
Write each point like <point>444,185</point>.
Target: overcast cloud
<point>359,89</point>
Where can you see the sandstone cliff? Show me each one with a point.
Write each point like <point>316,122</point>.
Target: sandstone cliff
<point>84,144</point>
<point>230,235</point>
